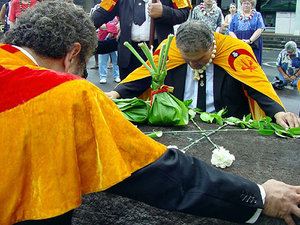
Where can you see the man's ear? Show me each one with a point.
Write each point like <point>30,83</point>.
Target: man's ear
<point>71,56</point>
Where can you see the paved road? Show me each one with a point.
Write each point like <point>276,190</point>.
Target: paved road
<point>290,98</point>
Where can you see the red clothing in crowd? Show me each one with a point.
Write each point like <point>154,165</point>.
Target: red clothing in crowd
<point>112,27</point>
<point>16,10</point>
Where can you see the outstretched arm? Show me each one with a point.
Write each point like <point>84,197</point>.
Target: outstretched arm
<point>178,182</point>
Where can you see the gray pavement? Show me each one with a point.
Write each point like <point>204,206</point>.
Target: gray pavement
<point>290,98</point>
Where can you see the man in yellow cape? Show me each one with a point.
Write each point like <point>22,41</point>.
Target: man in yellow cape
<point>61,137</point>
<point>238,82</point>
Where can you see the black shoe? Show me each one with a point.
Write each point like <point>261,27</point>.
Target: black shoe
<point>277,83</point>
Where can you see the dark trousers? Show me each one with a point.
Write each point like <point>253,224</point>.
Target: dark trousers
<point>64,219</point>
<point>134,62</point>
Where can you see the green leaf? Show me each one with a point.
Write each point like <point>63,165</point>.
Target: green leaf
<point>206,117</point>
<point>187,103</point>
<point>294,131</point>
<point>192,113</point>
<point>248,117</point>
<point>222,112</point>
<point>266,131</point>
<point>256,124</point>
<point>277,127</point>
<point>219,119</point>
<point>155,134</point>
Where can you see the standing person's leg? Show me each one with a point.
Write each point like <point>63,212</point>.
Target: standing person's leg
<point>103,58</point>
<point>96,62</point>
<point>116,73</point>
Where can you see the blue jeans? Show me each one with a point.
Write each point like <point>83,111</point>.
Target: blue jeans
<point>294,83</point>
<point>103,59</point>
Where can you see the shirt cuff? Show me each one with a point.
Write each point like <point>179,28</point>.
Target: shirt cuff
<point>258,211</point>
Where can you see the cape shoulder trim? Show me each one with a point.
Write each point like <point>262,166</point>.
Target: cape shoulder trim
<point>108,5</point>
<point>179,4</point>
<point>20,85</point>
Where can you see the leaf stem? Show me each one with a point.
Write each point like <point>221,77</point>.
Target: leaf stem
<point>214,131</point>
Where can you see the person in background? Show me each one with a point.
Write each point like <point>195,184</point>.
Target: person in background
<point>96,65</point>
<point>108,31</point>
<point>135,20</point>
<point>248,25</point>
<point>61,137</point>
<point>4,15</point>
<point>18,7</point>
<point>288,64</point>
<point>209,13</point>
<point>228,17</point>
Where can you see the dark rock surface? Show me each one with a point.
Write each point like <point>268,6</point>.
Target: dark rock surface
<point>258,158</point>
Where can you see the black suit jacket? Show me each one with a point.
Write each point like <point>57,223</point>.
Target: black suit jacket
<point>178,182</point>
<point>124,9</point>
<point>228,92</point>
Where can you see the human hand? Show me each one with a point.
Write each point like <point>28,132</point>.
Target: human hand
<point>110,35</point>
<point>155,10</point>
<point>282,200</point>
<point>113,95</point>
<point>293,77</point>
<point>287,119</point>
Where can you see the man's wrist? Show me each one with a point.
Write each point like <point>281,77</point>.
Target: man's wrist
<point>250,42</point>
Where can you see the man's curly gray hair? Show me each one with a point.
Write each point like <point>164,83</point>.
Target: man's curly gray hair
<point>51,28</point>
<point>194,35</point>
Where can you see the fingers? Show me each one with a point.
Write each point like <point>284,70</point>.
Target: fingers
<point>289,220</point>
<point>292,120</point>
<point>282,200</point>
<point>287,120</point>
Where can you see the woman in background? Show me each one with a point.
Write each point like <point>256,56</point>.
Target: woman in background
<point>232,11</point>
<point>248,26</point>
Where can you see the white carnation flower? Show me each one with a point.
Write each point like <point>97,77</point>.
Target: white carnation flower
<point>222,158</point>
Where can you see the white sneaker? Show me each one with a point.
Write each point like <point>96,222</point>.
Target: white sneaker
<point>103,81</point>
<point>117,80</point>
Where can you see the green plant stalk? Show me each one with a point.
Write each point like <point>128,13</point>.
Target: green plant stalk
<point>208,138</point>
<point>166,52</point>
<point>149,55</point>
<point>195,142</point>
<point>161,53</point>
<point>203,131</point>
<point>138,56</point>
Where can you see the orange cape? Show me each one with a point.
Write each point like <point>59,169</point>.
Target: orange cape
<point>60,137</point>
<point>233,55</point>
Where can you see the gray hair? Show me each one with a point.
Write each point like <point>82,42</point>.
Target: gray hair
<point>291,46</point>
<point>193,36</point>
<point>51,28</point>
<point>253,2</point>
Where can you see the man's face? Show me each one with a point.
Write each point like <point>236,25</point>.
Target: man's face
<point>291,53</point>
<point>197,59</point>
